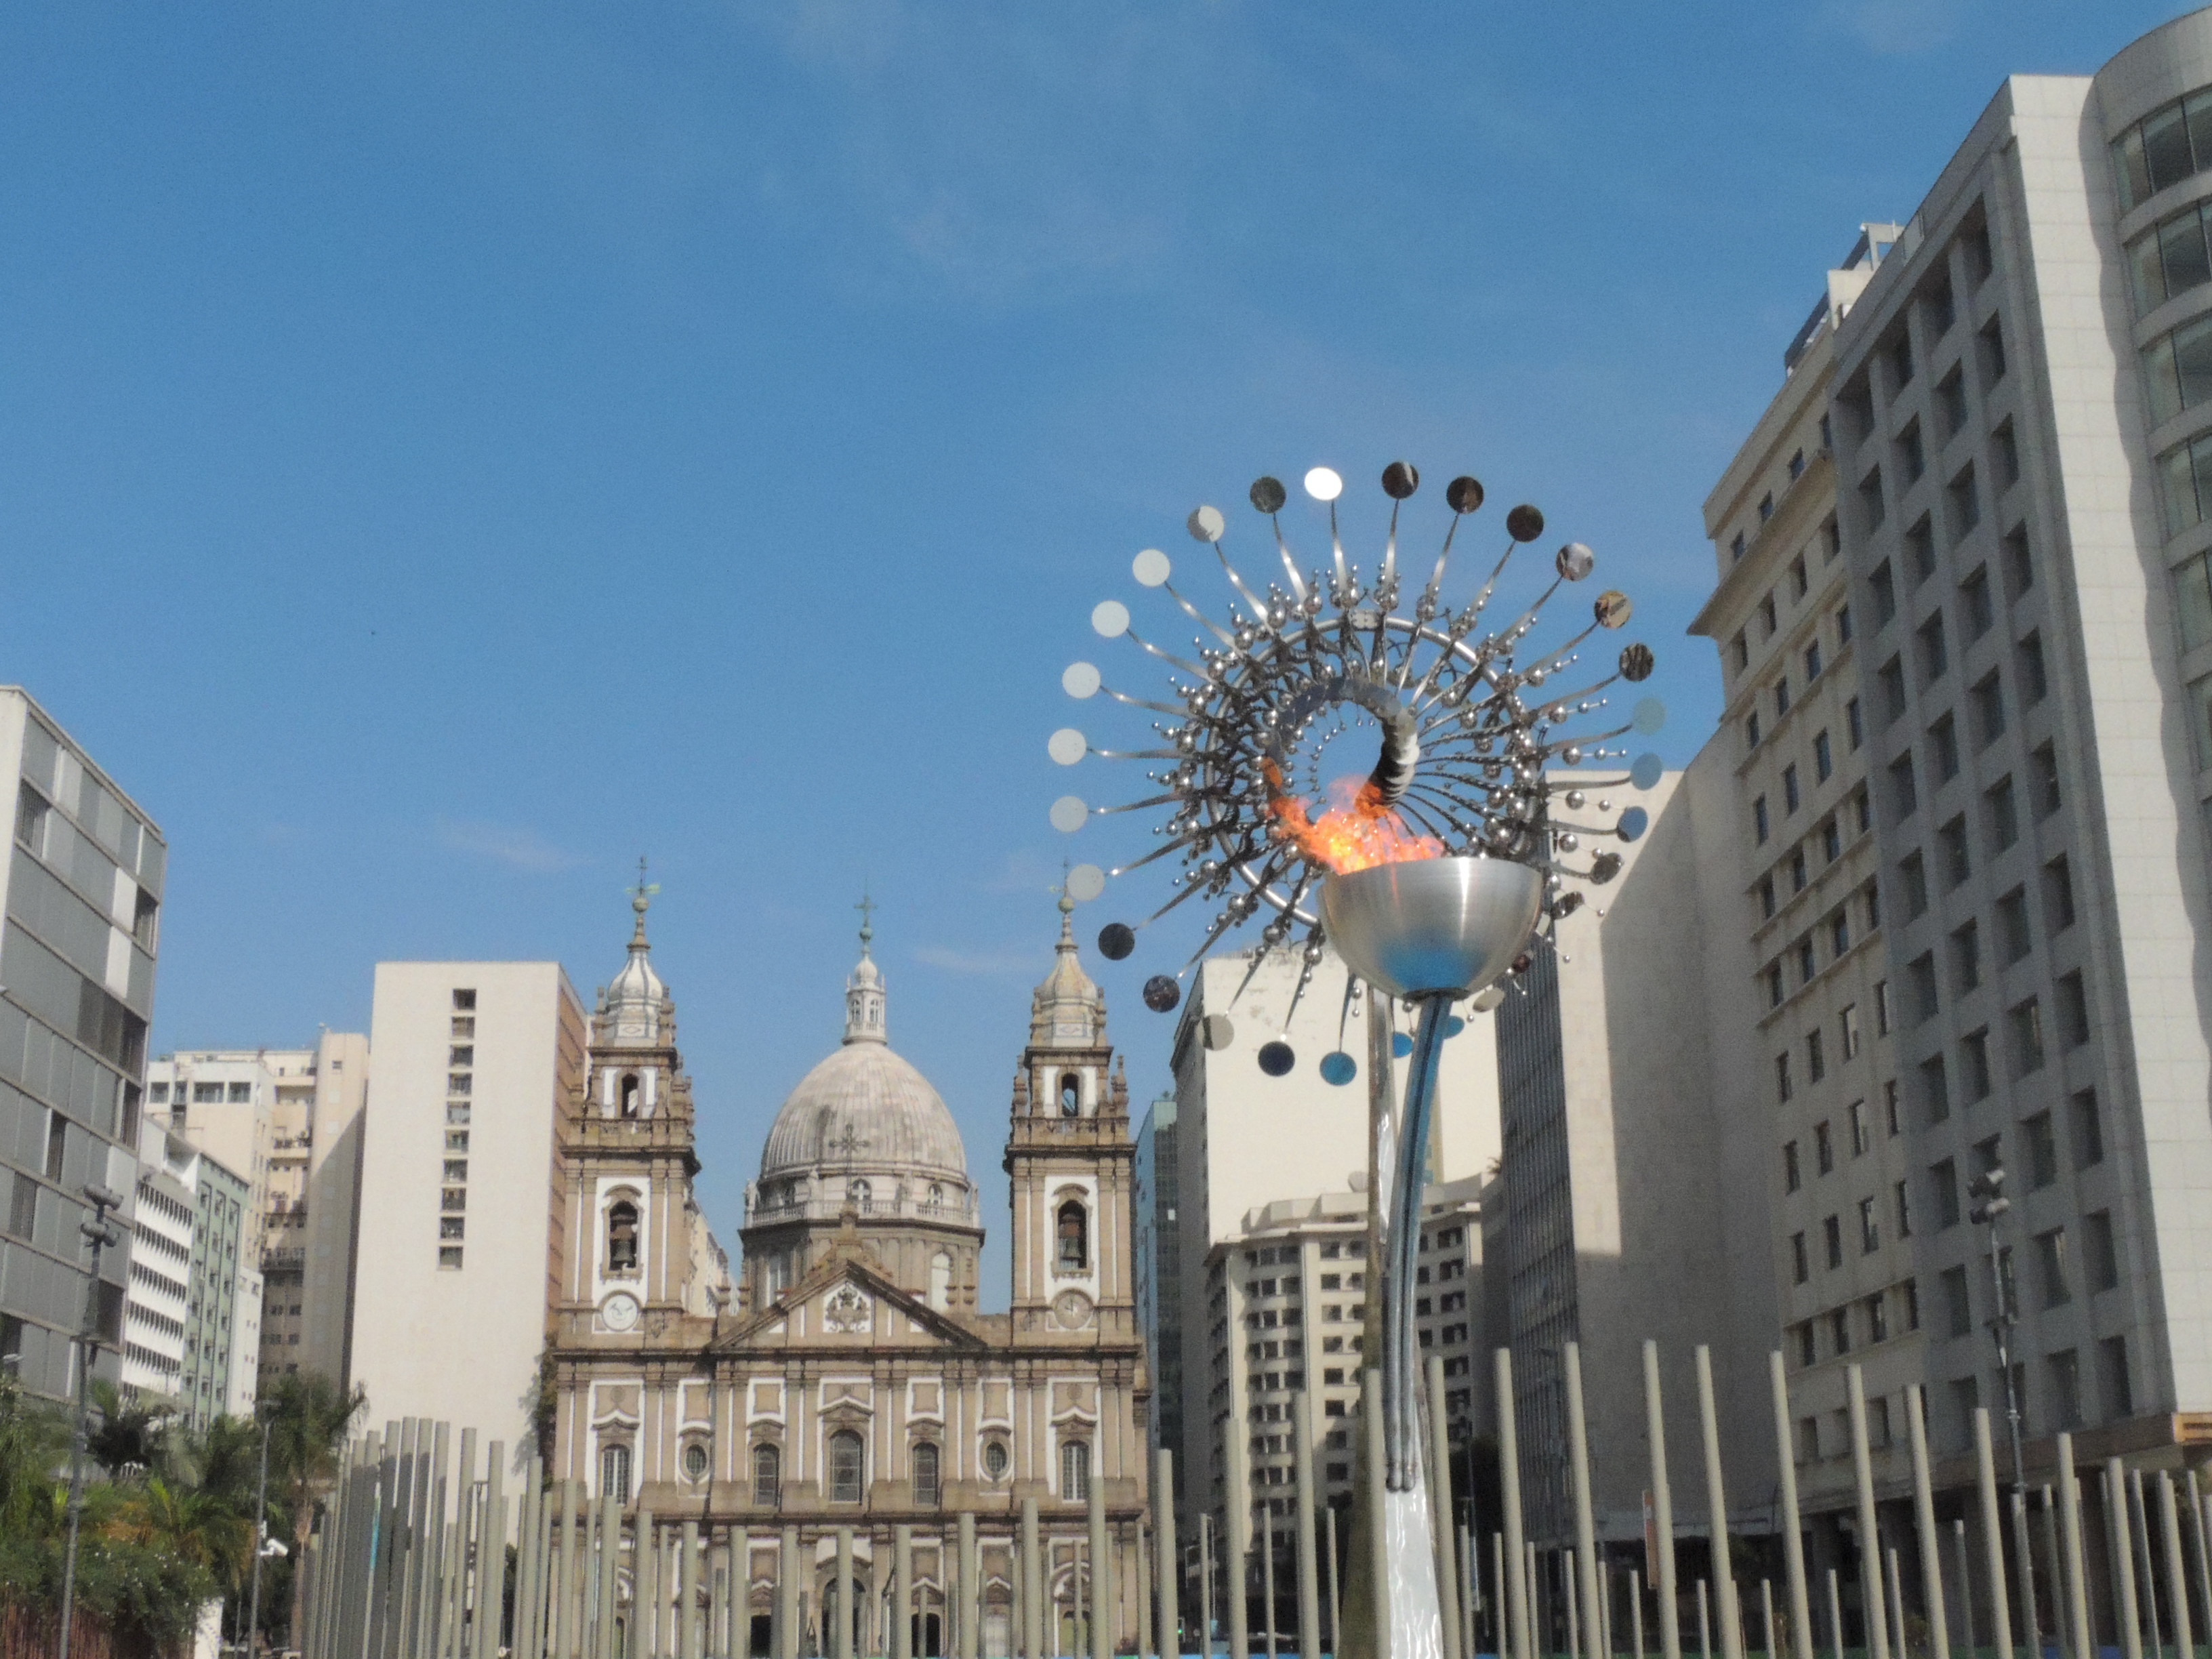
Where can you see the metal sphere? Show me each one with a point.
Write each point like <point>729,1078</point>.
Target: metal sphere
<point>1162,994</point>
<point>1463,495</point>
<point>1400,480</point>
<point>1524,523</point>
<point>1268,494</point>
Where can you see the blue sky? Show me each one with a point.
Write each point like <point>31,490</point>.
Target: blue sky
<point>446,450</point>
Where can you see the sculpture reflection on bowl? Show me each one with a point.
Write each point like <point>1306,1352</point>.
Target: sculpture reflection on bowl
<point>1430,927</point>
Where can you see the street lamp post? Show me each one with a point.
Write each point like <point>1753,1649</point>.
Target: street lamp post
<point>102,1235</point>
<point>261,1540</point>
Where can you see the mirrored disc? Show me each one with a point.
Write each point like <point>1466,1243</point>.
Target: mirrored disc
<point>1612,609</point>
<point>1067,746</point>
<point>1486,999</point>
<point>1636,662</point>
<point>1575,561</point>
<point>1647,771</point>
<point>1524,523</point>
<point>1116,939</point>
<point>1217,1031</point>
<point>1206,524</point>
<point>1268,494</point>
<point>1400,1044</point>
<point>1633,822</point>
<point>1463,494</point>
<point>1338,1067</point>
<point>1151,567</point>
<point>1070,814</point>
<point>1110,617</point>
<point>1162,994</point>
<point>1650,714</point>
<point>1323,484</point>
<point>1080,679</point>
<point>1085,883</point>
<point>1401,479</point>
<point>1277,1058</point>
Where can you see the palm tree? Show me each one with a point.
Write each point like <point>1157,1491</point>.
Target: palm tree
<point>310,1419</point>
<point>33,1441</point>
<point>132,1437</point>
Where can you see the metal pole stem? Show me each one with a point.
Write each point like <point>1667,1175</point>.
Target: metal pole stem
<point>1585,1524</point>
<point>1167,1591</point>
<point>1793,1542</point>
<point>1993,1544</point>
<point>1662,1506</point>
<point>2077,1577</point>
<point>1924,1511</point>
<point>1402,1242</point>
<point>1509,1466</point>
<point>1870,1596</point>
<point>1308,1583</point>
<point>1716,1503</point>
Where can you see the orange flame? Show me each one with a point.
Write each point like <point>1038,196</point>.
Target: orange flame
<point>1357,831</point>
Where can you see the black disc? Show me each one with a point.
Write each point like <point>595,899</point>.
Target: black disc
<point>1524,524</point>
<point>1463,494</point>
<point>1400,480</point>
<point>1277,1058</point>
<point>1162,994</point>
<point>1268,494</point>
<point>1116,940</point>
<point>1636,662</point>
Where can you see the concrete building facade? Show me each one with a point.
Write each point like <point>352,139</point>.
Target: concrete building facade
<point>84,872</point>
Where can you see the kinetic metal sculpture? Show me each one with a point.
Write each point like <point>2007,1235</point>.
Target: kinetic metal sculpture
<point>1436,871</point>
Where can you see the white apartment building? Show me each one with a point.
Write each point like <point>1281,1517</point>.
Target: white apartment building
<point>2020,398</point>
<point>1840,1170</point>
<point>291,1118</point>
<point>159,1300</point>
<point>451,1292</point>
<point>222,1330</point>
<point>1243,1140</point>
<point>191,1312</point>
<point>83,873</point>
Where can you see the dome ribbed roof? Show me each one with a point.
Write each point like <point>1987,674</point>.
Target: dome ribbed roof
<point>864,1109</point>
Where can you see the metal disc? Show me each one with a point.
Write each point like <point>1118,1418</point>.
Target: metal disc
<point>1110,617</point>
<point>1636,662</point>
<point>1339,1069</point>
<point>1650,715</point>
<point>1116,939</point>
<point>1323,484</point>
<point>1206,524</point>
<point>1524,523</point>
<point>1085,883</point>
<point>1151,567</point>
<point>1217,1031</point>
<point>1067,746</point>
<point>1576,560</point>
<point>1604,868</point>
<point>1268,494</point>
<point>1463,494</point>
<point>1080,680</point>
<point>1633,822</point>
<point>1400,480</point>
<point>1400,1044</point>
<point>1277,1058</point>
<point>1486,999</point>
<point>1612,609</point>
<point>1070,814</point>
<point>1162,994</point>
<point>1647,771</point>
<point>1452,1026</point>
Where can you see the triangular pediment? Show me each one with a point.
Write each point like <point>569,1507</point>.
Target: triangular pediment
<point>846,1300</point>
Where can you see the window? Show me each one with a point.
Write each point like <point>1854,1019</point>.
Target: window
<point>1892,1118</point>
<point>1853,724</point>
<point>847,1467</point>
<point>1839,923</point>
<point>631,1093</point>
<point>694,1462</point>
<point>1883,586</point>
<point>1912,875</point>
<point>1824,1148</point>
<point>2169,259</point>
<point>2065,1372</point>
<point>2073,1011</point>
<point>1789,798</point>
<point>465,1001</point>
<point>1966,958</point>
<point>1934,654</point>
<point>1891,678</point>
<point>1806,965</point>
<point>1774,991</point>
<point>1751,730</point>
<point>1920,976</point>
<point>614,1472</point>
<point>926,1490</point>
<point>1847,1021</point>
<point>1739,651</point>
<point>1957,1302</point>
<point>1898,351</point>
<point>2112,1362</point>
<point>453,1227</point>
<point>1951,842</point>
<point>2089,1129</point>
<point>767,1477</point>
<point>1989,710</point>
<point>1944,1179</point>
<point>2178,367</point>
<point>1792,1178</point>
<point>457,1169</point>
<point>1943,744</point>
<point>2013,940</point>
<point>1911,459</point>
<point>1965,503</point>
<point>2026,1022</point>
<point>1071,1095</point>
<point>1974,1065</point>
<point>1991,347</point>
<point>1735,547</point>
<point>2043,780</point>
<point>1871,502</point>
<point>1800,1268</point>
<point>621,1236</point>
<point>2101,1257</point>
<point>1934,1089</point>
<point>1766,896</point>
<point>2185,475</point>
<point>1782,1088</point>
<point>22,1205</point>
<point>1816,1062</point>
<point>1074,1253</point>
<point>1870,1228</point>
<point>2057,896</point>
<point>57,1144</point>
<point>1881,1011</point>
<point>1797,880</point>
<point>1832,1238</point>
<point>454,1200</point>
<point>1759,819</point>
<point>1902,793</point>
<point>1839,1330</point>
<point>1797,466</point>
<point>2042,1150</point>
<point>2019,569</point>
<point>1074,1471</point>
<point>449,1256</point>
<point>1903,1196</point>
<point>1920,549</point>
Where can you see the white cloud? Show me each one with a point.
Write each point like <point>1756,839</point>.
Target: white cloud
<point>517,848</point>
<point>1895,29</point>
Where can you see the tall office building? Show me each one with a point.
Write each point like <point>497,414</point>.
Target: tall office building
<point>84,872</point>
<point>1159,1271</point>
<point>1821,1078</point>
<point>2022,415</point>
<point>223,1325</point>
<point>291,1119</point>
<point>1244,1141</point>
<point>475,1063</point>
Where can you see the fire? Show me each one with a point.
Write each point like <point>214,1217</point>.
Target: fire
<point>1357,833</point>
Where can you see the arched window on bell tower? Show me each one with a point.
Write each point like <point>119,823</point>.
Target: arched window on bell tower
<point>632,1092</point>
<point>1071,1253</point>
<point>621,1236</point>
<point>1071,1095</point>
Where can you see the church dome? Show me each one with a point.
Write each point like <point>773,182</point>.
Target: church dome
<point>634,1008</point>
<point>865,1110</point>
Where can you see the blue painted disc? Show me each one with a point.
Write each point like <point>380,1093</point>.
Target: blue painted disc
<point>1400,1044</point>
<point>1454,1025</point>
<point>1633,822</point>
<point>1339,1069</point>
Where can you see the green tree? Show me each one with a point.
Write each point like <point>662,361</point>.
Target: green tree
<point>131,1436</point>
<point>310,1420</point>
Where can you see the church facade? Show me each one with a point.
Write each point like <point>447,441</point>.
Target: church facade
<point>847,1379</point>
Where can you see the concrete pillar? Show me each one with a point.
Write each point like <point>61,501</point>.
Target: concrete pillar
<point>610,1535</point>
<point>687,1595</point>
<point>1032,1586</point>
<point>1101,1570</point>
<point>841,1643</point>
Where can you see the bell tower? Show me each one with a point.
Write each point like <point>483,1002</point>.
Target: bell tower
<point>1072,1164</point>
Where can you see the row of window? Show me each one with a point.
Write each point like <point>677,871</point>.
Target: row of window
<point>2015,939</point>
<point>2171,144</point>
<point>1832,1235</point>
<point>453,1190</point>
<point>1815,659</point>
<point>1836,927</point>
<point>1861,1322</point>
<point>2025,1040</point>
<point>848,1470</point>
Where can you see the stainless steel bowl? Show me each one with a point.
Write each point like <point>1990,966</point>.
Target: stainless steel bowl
<point>1448,925</point>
